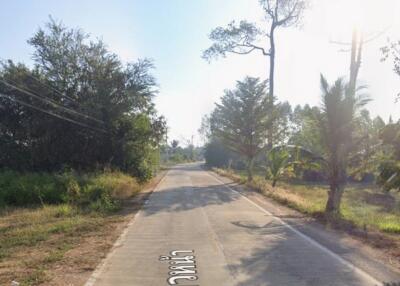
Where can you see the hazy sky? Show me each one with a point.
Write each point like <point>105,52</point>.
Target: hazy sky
<point>174,33</point>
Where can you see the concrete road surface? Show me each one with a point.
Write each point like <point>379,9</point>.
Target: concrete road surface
<point>195,229</point>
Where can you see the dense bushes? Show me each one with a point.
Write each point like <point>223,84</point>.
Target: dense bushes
<point>216,154</point>
<point>80,107</point>
<point>96,191</point>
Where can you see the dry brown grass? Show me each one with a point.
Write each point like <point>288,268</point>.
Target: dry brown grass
<point>62,245</point>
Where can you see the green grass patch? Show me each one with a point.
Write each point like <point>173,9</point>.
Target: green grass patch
<point>99,192</point>
<point>391,227</point>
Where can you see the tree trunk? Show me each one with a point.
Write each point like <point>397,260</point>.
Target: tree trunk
<point>250,169</point>
<point>274,182</point>
<point>355,59</point>
<point>271,64</point>
<point>337,185</point>
<point>271,82</point>
<point>334,199</point>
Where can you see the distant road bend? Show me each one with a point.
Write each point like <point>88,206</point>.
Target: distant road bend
<point>195,229</point>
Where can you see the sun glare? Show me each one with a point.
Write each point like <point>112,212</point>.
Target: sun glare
<point>367,16</point>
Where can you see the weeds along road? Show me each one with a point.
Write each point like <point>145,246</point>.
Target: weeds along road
<point>195,229</point>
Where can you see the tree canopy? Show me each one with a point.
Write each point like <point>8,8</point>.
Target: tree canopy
<point>78,107</point>
<point>243,117</point>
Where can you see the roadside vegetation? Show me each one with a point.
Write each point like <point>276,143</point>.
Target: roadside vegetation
<point>333,161</point>
<point>79,138</point>
<point>79,107</point>
<point>90,191</point>
<point>173,153</point>
<point>47,219</point>
<point>364,206</point>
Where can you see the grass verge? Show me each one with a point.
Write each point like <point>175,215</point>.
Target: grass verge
<point>61,244</point>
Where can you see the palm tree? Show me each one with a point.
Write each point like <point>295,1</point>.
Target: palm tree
<point>336,122</point>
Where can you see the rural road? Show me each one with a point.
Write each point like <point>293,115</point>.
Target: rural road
<point>196,230</point>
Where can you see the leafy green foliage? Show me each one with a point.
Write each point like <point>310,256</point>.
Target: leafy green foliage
<point>389,175</point>
<point>238,39</point>
<point>245,37</point>
<point>277,164</point>
<point>175,154</point>
<point>289,161</point>
<point>304,126</point>
<point>217,155</point>
<point>75,73</point>
<point>336,124</point>
<point>392,50</point>
<point>242,119</point>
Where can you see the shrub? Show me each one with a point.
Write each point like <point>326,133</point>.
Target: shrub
<point>97,191</point>
<point>30,189</point>
<point>389,176</point>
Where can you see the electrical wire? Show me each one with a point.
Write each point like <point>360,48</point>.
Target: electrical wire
<point>50,101</point>
<point>52,113</point>
<point>46,85</point>
<point>50,87</point>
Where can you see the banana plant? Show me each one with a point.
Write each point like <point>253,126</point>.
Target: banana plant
<point>289,161</point>
<point>278,164</point>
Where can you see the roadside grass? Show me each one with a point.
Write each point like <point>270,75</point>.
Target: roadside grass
<point>364,206</point>
<point>51,229</point>
<point>38,239</point>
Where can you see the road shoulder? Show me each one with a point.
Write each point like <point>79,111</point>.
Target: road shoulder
<point>96,249</point>
<point>361,255</point>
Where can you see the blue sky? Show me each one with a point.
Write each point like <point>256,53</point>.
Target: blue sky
<point>174,33</point>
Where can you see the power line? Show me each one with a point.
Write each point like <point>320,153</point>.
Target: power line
<point>46,85</point>
<point>63,95</point>
<point>50,101</point>
<point>364,42</point>
<point>52,113</point>
<point>50,87</point>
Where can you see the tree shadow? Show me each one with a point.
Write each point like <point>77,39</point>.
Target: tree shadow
<point>287,259</point>
<point>384,200</point>
<point>185,198</point>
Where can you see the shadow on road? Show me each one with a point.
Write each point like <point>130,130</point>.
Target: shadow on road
<point>187,198</point>
<point>286,259</point>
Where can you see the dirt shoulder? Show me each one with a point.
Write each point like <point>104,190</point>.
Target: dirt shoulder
<point>53,246</point>
<point>370,252</point>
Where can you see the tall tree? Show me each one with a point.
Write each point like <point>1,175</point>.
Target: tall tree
<point>392,50</point>
<point>242,119</point>
<point>336,122</point>
<point>245,37</point>
<point>355,58</point>
<point>174,145</point>
<point>84,88</point>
